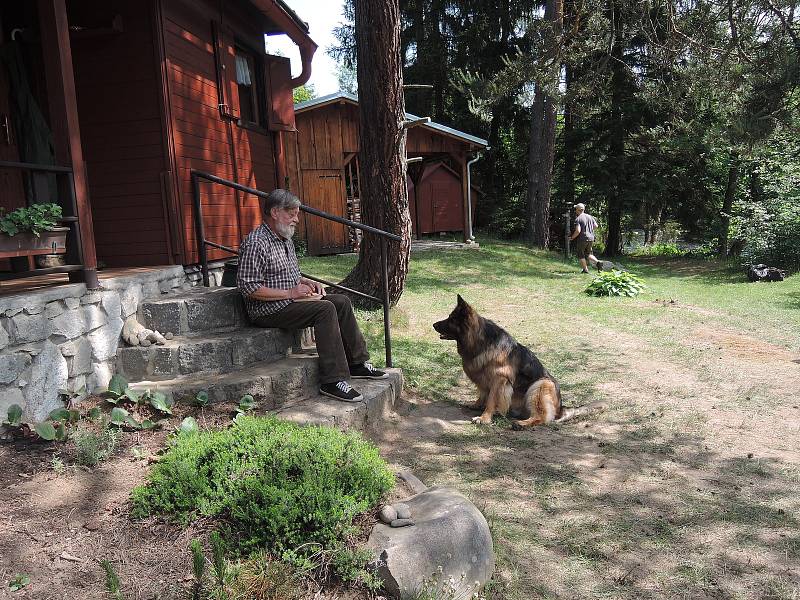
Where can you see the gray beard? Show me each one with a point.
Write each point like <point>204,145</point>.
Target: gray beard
<point>285,231</point>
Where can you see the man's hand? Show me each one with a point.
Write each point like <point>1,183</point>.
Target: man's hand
<point>301,290</point>
<point>314,285</point>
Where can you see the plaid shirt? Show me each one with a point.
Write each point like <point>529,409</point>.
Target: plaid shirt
<point>266,260</point>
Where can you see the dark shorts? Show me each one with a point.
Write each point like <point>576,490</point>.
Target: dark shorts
<point>583,248</point>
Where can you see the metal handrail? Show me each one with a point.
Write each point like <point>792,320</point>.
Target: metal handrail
<point>72,220</point>
<point>202,243</point>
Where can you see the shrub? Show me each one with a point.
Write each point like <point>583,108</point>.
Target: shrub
<point>92,447</point>
<point>659,249</point>
<point>274,483</point>
<point>615,283</point>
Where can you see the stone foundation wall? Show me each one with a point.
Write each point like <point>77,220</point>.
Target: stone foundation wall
<point>65,338</point>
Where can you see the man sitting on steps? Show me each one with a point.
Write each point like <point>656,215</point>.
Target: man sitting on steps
<point>275,295</point>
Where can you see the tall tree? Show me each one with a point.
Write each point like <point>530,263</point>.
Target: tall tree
<point>384,193</point>
<point>541,151</point>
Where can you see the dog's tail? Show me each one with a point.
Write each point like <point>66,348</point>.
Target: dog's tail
<point>575,412</point>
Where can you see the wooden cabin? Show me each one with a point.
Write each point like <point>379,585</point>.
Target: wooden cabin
<point>328,145</point>
<point>130,96</point>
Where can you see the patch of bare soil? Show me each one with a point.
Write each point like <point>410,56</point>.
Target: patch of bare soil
<point>58,526</point>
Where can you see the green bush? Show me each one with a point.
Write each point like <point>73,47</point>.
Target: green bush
<point>615,283</point>
<point>659,249</point>
<point>94,446</point>
<point>273,483</point>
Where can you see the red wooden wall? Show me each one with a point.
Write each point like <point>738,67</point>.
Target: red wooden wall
<point>121,132</point>
<point>203,139</point>
<point>438,197</point>
<point>328,134</point>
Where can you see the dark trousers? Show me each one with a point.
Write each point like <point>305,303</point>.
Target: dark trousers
<point>339,340</point>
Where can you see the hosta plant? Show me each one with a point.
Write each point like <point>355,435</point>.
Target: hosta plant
<point>615,283</point>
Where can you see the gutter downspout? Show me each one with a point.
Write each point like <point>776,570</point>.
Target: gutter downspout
<point>470,237</point>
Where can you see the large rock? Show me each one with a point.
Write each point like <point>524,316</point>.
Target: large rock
<point>105,340</point>
<point>30,328</point>
<point>449,547</point>
<point>12,366</point>
<point>3,336</point>
<point>48,376</point>
<point>82,359</point>
<point>68,325</point>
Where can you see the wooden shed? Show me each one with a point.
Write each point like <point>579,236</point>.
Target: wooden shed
<point>328,169</point>
<point>132,95</point>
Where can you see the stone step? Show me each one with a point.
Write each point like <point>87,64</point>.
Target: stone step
<point>288,389</point>
<point>381,397</point>
<point>216,352</point>
<point>271,385</point>
<point>194,310</point>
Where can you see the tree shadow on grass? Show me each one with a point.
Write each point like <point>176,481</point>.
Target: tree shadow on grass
<point>641,514</point>
<point>710,272</point>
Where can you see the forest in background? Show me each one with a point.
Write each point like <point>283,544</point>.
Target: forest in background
<point>678,118</point>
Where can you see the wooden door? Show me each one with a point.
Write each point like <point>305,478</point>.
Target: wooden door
<point>12,190</point>
<point>323,189</point>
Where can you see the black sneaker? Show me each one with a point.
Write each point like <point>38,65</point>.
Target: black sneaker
<point>365,371</point>
<point>341,390</point>
<point>599,265</point>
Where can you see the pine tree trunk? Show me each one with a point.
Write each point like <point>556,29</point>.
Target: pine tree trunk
<point>617,142</point>
<point>384,193</point>
<point>727,205</point>
<point>570,154</point>
<point>541,150</point>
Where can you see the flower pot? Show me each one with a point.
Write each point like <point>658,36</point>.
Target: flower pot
<point>53,241</point>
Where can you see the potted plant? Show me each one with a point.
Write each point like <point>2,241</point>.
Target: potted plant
<point>31,231</point>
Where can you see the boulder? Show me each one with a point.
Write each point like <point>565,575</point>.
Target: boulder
<point>448,548</point>
<point>48,375</point>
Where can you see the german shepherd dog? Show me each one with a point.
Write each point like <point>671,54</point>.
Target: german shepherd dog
<point>509,377</point>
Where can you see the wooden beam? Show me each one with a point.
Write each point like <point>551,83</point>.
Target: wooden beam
<point>63,105</point>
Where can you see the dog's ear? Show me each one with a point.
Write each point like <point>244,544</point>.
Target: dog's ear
<point>460,300</point>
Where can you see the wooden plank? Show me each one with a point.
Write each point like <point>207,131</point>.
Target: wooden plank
<point>324,190</point>
<point>64,119</point>
<point>99,155</point>
<point>124,130</point>
<point>350,131</point>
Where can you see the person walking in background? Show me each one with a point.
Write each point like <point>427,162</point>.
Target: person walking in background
<point>585,225</point>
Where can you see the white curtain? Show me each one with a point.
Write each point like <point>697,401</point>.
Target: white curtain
<point>243,76</point>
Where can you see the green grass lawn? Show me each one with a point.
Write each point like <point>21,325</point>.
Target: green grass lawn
<point>685,488</point>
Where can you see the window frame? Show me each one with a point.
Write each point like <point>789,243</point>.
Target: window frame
<point>258,88</point>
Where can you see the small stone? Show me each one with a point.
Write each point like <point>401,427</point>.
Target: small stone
<point>169,335</point>
<point>53,309</point>
<point>403,510</point>
<point>91,298</point>
<point>401,522</point>
<point>145,343</point>
<point>387,514</point>
<point>749,455</point>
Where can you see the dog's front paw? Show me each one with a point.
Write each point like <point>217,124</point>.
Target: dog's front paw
<point>481,420</point>
<point>516,426</point>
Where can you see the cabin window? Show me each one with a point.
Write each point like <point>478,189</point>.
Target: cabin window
<point>250,89</point>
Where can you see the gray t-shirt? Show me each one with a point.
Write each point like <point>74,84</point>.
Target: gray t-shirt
<point>587,223</point>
